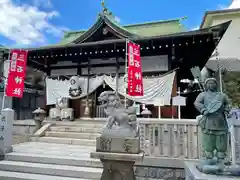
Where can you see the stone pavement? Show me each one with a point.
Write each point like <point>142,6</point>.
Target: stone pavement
<point>55,160</point>
<point>62,154</point>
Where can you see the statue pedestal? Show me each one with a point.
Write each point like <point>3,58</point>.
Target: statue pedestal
<point>192,173</point>
<point>117,165</point>
<point>118,155</point>
<point>130,145</point>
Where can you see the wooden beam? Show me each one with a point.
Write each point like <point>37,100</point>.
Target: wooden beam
<point>86,65</point>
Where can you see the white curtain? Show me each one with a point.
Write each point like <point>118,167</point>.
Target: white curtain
<point>57,88</point>
<point>94,83</point>
<point>157,90</point>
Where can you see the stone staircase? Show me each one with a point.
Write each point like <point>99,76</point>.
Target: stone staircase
<point>76,133</point>
<point>62,154</point>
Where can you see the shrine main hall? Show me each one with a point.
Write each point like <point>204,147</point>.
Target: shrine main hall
<point>85,63</point>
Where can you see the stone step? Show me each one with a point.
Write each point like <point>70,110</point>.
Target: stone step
<point>74,135</point>
<point>79,122</point>
<point>58,140</point>
<point>92,125</point>
<point>75,129</point>
<point>84,161</point>
<point>50,169</point>
<point>62,150</point>
<point>10,175</point>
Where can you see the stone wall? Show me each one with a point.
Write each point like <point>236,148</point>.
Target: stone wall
<point>24,127</point>
<point>159,173</point>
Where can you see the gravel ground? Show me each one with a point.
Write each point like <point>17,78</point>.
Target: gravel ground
<point>20,138</point>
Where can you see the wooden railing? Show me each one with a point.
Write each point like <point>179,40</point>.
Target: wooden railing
<point>170,138</point>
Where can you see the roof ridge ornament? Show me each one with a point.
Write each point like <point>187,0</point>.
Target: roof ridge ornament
<point>105,9</point>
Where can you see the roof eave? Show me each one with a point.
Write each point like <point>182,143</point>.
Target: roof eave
<point>217,12</point>
<point>224,26</point>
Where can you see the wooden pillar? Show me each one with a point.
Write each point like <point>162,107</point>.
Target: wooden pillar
<point>87,110</point>
<point>48,73</point>
<point>79,69</point>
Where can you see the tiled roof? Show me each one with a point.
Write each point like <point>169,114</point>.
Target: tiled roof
<point>148,29</point>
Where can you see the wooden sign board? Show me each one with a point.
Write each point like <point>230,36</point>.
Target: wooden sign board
<point>159,102</point>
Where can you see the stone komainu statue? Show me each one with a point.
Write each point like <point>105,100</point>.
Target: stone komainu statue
<point>214,107</point>
<point>125,118</point>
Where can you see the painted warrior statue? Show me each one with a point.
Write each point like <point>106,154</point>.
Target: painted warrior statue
<point>214,107</point>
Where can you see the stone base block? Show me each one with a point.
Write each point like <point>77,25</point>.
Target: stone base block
<point>192,173</point>
<point>117,166</point>
<point>129,145</point>
<point>116,170</point>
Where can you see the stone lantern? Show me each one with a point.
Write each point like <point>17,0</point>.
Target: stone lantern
<point>39,116</point>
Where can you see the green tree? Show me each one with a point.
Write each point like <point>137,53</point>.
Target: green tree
<point>231,86</point>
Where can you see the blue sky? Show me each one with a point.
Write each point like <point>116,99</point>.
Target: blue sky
<point>39,22</point>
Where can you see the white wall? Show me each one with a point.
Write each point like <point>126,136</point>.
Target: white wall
<point>229,46</point>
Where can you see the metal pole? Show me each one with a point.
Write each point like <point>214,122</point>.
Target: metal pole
<point>86,111</point>
<point>5,82</point>
<point>179,107</point>
<point>126,71</point>
<point>117,76</point>
<point>220,79</point>
<point>231,128</point>
<point>233,144</point>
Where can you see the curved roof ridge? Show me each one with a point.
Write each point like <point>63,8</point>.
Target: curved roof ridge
<point>77,31</point>
<point>155,22</point>
<point>108,18</point>
<point>111,18</point>
<point>132,25</point>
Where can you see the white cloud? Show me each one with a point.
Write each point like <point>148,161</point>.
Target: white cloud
<point>26,24</point>
<point>221,7</point>
<point>235,4</point>
<point>195,28</point>
<point>117,19</point>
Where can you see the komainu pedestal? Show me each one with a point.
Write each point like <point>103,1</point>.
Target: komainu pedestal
<point>118,147</point>
<point>118,155</point>
<point>117,166</point>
